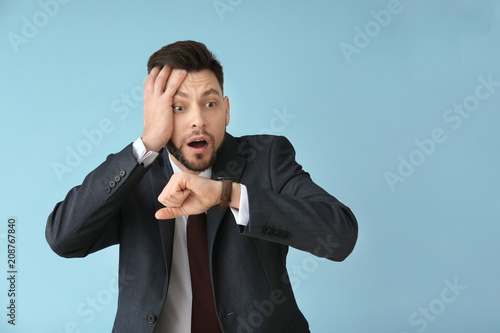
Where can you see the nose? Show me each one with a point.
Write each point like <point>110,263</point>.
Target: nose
<point>197,118</point>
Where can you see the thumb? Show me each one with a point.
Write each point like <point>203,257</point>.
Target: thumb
<point>168,213</point>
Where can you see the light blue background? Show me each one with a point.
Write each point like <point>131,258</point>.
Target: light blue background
<point>354,117</point>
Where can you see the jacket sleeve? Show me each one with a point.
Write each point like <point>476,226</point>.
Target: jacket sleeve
<point>88,218</point>
<point>298,213</point>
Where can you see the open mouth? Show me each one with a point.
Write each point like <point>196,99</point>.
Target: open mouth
<point>198,144</point>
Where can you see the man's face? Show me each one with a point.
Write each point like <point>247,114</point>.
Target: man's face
<point>200,116</point>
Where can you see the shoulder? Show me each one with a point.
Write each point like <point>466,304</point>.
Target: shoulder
<point>259,153</point>
<point>262,144</point>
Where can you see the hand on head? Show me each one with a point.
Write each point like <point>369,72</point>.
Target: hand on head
<point>159,90</point>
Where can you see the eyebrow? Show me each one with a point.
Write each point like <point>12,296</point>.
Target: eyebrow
<point>206,93</point>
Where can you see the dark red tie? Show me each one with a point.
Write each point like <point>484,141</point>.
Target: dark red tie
<point>203,318</point>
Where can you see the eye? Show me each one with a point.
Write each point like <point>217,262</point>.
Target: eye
<point>178,108</point>
<point>210,105</point>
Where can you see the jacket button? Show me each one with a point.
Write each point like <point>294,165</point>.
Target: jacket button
<point>266,229</point>
<point>112,184</point>
<point>122,173</point>
<point>151,319</point>
<point>117,179</point>
<point>107,189</point>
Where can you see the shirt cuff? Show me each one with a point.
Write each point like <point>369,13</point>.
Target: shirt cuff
<point>242,215</point>
<point>143,156</point>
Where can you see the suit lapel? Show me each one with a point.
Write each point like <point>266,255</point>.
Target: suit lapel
<point>161,172</point>
<point>228,164</point>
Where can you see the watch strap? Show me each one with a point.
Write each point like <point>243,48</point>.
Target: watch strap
<point>227,189</point>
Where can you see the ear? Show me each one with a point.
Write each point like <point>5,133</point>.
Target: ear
<point>226,104</point>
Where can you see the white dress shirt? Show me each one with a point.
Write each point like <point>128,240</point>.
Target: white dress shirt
<point>176,314</point>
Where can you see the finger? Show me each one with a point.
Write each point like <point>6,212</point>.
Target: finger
<point>168,213</point>
<point>150,80</point>
<point>174,82</point>
<point>161,80</point>
<point>174,199</point>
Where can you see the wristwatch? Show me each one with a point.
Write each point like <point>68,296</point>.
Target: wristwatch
<point>227,188</point>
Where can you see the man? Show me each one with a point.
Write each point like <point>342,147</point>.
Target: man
<point>205,254</point>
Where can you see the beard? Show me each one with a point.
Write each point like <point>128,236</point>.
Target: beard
<point>199,164</point>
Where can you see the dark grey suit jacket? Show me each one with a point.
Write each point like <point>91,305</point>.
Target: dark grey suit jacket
<point>116,204</point>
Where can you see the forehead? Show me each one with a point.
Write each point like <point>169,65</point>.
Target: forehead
<point>199,82</point>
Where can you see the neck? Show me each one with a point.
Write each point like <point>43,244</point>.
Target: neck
<point>182,167</point>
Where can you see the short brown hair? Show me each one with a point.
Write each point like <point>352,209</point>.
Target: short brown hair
<point>189,55</point>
